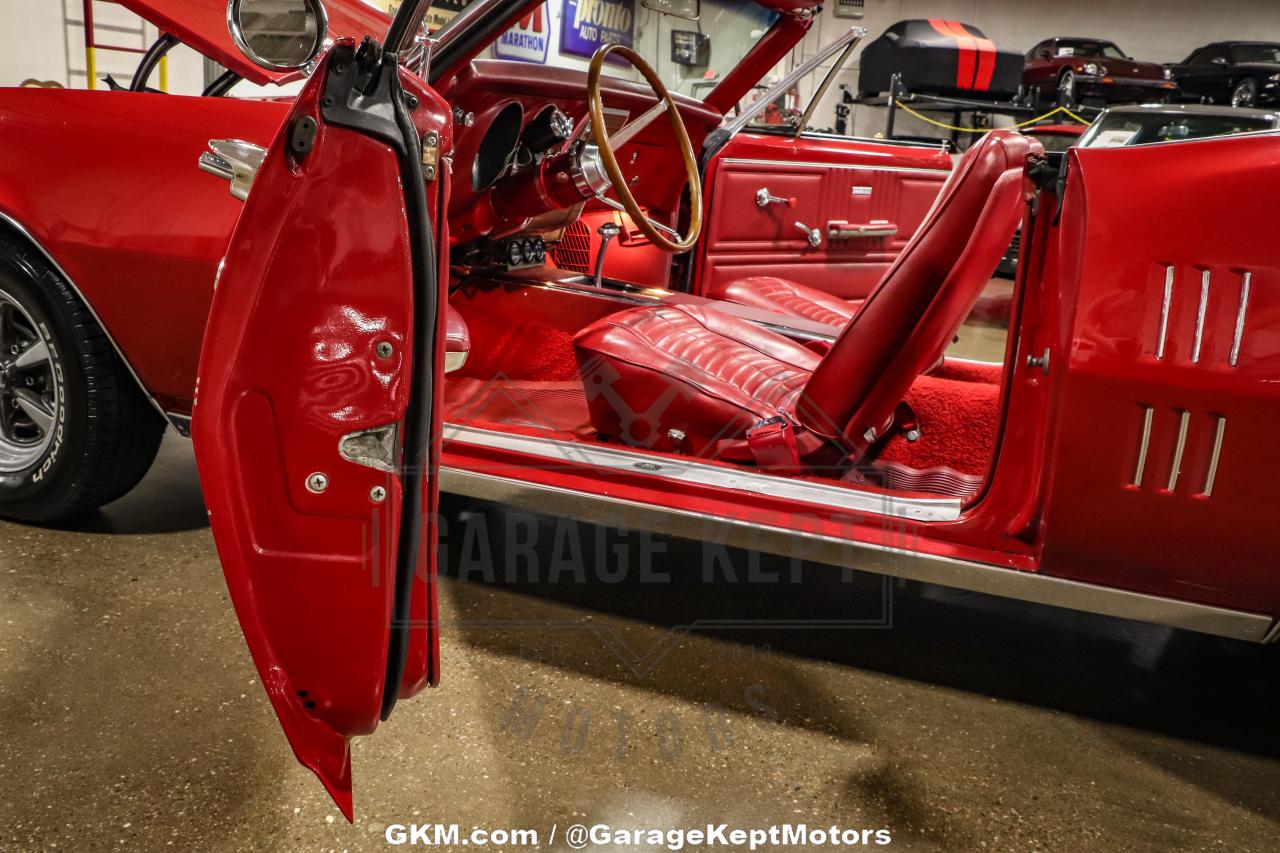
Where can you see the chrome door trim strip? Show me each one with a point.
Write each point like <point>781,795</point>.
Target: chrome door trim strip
<point>1246,285</point>
<point>860,556</point>
<point>702,474</point>
<point>1175,468</point>
<point>1164,311</point>
<point>1143,446</point>
<point>1205,278</point>
<point>747,161</point>
<point>31,238</point>
<point>1212,476</point>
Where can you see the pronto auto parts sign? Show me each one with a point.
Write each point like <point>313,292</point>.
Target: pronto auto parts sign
<point>586,25</point>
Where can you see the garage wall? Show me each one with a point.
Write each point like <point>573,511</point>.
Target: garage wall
<point>45,41</point>
<point>1159,30</point>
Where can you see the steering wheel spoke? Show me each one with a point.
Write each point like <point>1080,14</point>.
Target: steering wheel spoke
<point>660,235</point>
<point>635,128</point>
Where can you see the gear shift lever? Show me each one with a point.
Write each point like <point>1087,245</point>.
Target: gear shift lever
<point>607,232</point>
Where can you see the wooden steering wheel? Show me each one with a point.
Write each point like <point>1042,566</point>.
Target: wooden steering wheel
<point>661,236</point>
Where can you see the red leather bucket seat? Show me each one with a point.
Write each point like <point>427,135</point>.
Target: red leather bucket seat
<point>695,380</point>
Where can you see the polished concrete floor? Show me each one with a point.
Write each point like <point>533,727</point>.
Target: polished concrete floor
<point>131,715</point>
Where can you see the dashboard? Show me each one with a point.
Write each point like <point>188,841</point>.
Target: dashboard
<point>509,117</point>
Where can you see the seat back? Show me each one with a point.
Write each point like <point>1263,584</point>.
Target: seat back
<point>915,311</point>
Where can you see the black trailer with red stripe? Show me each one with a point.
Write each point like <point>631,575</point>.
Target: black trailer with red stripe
<point>940,57</point>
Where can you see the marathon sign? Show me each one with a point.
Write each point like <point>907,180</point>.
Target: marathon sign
<point>529,40</point>
<point>586,25</point>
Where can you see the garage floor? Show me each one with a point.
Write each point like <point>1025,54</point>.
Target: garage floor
<point>131,715</point>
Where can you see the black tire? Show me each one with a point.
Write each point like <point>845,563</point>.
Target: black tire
<point>106,433</point>
<point>1067,89</point>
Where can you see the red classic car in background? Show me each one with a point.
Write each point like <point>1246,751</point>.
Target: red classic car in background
<point>1075,70</point>
<point>785,386</point>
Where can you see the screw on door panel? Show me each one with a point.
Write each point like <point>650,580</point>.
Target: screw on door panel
<point>384,349</point>
<point>317,483</point>
<point>377,494</point>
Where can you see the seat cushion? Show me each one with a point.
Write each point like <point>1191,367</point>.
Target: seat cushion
<point>687,378</point>
<point>787,297</point>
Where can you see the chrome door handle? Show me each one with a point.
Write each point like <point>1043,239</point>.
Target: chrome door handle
<point>814,235</point>
<point>764,198</point>
<point>845,231</point>
<point>235,161</point>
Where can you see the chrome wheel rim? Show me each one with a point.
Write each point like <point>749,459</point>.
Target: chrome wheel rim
<point>30,389</point>
<point>1243,95</point>
<point>1067,88</point>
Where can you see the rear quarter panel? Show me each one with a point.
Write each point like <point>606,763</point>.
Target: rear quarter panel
<point>107,183</point>
<point>1175,281</point>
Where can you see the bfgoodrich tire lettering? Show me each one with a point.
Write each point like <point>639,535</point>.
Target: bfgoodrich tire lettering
<point>77,432</point>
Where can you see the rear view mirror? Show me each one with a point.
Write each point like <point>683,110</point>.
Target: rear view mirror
<point>279,35</point>
<point>690,10</point>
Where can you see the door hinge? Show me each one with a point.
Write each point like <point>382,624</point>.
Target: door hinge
<point>430,155</point>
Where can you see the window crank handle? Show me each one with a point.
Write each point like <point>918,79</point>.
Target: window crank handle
<point>764,198</point>
<point>814,235</point>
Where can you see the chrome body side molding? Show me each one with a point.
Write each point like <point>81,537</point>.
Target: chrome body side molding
<point>876,559</point>
<point>1179,448</point>
<point>30,238</point>
<point>1214,457</point>
<point>1144,445</point>
<point>1169,273</point>
<point>702,474</point>
<point>1205,278</point>
<point>1246,285</point>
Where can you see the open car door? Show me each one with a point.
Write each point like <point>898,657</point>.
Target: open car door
<point>316,424</point>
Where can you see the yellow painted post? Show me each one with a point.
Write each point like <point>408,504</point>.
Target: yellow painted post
<point>91,63</point>
<point>164,74</point>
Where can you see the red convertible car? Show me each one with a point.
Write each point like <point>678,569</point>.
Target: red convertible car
<point>760,359</point>
<point>1075,70</point>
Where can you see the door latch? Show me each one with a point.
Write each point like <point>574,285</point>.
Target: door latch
<point>1040,361</point>
<point>430,155</point>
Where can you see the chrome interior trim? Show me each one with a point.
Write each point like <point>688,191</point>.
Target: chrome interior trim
<point>1164,311</point>
<point>865,557</point>
<point>777,90</point>
<point>702,474</point>
<point>1175,467</point>
<point>21,229</point>
<point>1246,285</point>
<point>1143,446</point>
<point>1212,476</point>
<point>749,161</point>
<point>1205,278</point>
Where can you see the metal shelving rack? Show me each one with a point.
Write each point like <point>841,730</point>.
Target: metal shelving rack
<point>92,44</point>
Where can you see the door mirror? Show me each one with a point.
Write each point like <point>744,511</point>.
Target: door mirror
<point>279,35</point>
<point>1219,60</point>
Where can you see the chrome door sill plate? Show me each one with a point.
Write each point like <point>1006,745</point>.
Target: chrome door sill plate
<point>702,474</point>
